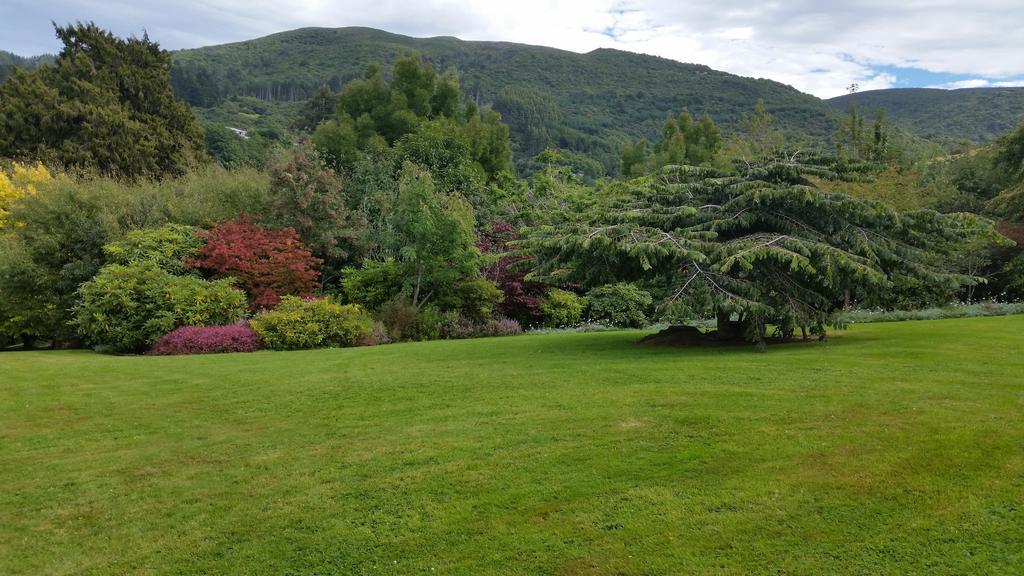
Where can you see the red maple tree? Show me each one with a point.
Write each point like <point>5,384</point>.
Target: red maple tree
<point>265,262</point>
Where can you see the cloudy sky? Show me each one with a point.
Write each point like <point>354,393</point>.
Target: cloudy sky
<point>817,46</point>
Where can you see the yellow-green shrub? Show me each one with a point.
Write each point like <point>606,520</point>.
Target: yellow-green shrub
<point>298,323</point>
<point>21,182</point>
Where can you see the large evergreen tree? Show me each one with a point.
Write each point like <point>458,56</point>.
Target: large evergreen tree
<point>760,248</point>
<point>105,105</point>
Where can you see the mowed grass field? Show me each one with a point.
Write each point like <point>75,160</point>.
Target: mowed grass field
<point>891,449</point>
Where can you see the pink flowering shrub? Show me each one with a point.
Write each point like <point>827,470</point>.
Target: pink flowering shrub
<point>206,340</point>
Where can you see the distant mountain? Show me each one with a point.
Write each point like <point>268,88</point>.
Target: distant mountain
<point>9,61</point>
<point>968,114</point>
<point>590,103</point>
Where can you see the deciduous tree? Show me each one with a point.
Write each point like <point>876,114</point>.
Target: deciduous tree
<point>266,263</point>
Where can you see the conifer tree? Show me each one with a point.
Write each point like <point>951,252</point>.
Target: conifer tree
<point>105,105</point>
<point>763,247</point>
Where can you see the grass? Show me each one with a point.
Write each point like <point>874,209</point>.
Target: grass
<point>891,449</point>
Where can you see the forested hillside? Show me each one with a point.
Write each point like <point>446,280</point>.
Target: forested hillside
<point>949,116</point>
<point>591,103</point>
<point>8,62</point>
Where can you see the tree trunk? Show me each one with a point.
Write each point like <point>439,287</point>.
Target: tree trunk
<point>728,329</point>
<point>416,290</point>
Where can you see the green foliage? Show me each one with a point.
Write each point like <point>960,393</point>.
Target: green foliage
<point>378,285</point>
<point>1014,271</point>
<point>441,148</point>
<point>319,107</point>
<point>1010,153</point>
<point>28,303</point>
<point>299,323</point>
<point>1009,163</point>
<point>58,243</point>
<point>311,198</point>
<point>683,141</point>
<point>762,245</point>
<point>432,240</point>
<point>127,307</point>
<point>105,105</point>
<point>370,109</point>
<point>232,150</point>
<point>854,141</point>
<point>760,136</point>
<point>401,319</point>
<point>620,304</point>
<point>9,62</point>
<point>978,310</point>
<point>373,284</point>
<point>921,187</point>
<point>418,117</point>
<point>562,308</point>
<point>166,246</point>
<point>423,114</point>
<point>475,299</point>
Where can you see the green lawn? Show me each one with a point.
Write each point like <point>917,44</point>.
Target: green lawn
<point>892,449</point>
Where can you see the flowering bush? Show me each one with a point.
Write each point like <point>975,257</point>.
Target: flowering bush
<point>207,340</point>
<point>499,327</point>
<point>265,263</point>
<point>378,335</point>
<point>299,323</point>
<point>460,327</point>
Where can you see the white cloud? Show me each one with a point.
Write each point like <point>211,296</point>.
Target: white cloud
<point>815,46</point>
<point>978,83</point>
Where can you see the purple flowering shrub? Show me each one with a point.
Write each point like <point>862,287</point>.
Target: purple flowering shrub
<point>206,340</point>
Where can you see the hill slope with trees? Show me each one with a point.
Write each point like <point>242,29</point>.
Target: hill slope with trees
<point>590,103</point>
<point>966,115</point>
<point>9,61</point>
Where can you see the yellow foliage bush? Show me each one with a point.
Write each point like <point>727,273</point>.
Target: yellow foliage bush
<point>22,181</point>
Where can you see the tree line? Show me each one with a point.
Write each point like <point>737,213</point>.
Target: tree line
<point>404,209</point>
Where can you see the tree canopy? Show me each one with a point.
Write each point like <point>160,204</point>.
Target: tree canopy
<point>105,105</point>
<point>418,106</point>
<point>762,247</point>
